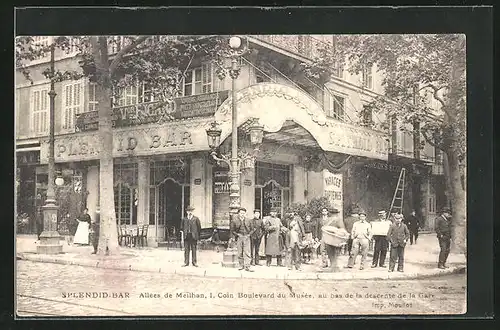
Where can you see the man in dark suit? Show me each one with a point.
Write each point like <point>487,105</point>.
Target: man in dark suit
<point>256,237</point>
<point>241,230</point>
<point>191,228</point>
<point>443,231</point>
<point>397,236</point>
<point>413,223</point>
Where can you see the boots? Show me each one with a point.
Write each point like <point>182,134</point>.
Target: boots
<point>268,261</point>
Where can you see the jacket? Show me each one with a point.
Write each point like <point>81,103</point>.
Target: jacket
<point>237,228</point>
<point>192,226</point>
<point>443,227</point>
<point>412,222</point>
<point>258,226</point>
<point>398,235</point>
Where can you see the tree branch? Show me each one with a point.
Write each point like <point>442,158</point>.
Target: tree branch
<point>429,139</point>
<point>125,50</point>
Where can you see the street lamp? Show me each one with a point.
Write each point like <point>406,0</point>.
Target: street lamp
<point>50,238</point>
<point>237,49</point>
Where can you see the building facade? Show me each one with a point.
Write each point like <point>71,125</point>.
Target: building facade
<point>161,167</point>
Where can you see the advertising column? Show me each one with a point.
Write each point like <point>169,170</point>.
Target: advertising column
<point>333,190</point>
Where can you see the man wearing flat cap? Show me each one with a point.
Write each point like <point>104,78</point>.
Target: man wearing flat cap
<point>443,231</point>
<point>380,227</point>
<point>256,237</point>
<point>241,229</point>
<point>398,236</point>
<point>361,236</point>
<point>191,228</point>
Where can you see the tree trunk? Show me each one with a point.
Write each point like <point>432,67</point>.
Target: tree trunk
<point>459,216</point>
<point>108,239</point>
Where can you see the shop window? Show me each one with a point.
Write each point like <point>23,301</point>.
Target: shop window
<point>272,187</point>
<point>39,105</point>
<point>126,193</point>
<point>176,169</point>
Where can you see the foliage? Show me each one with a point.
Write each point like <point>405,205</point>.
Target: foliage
<point>313,207</point>
<point>22,223</point>
<point>71,205</point>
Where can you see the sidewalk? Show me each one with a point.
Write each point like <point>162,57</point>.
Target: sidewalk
<point>420,262</point>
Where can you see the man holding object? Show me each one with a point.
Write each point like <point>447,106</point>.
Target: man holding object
<point>191,228</point>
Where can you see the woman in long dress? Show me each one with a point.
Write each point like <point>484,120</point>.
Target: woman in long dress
<point>82,231</point>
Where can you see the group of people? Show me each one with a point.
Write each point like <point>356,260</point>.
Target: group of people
<point>295,239</point>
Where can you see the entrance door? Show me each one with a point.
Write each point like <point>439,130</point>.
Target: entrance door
<point>171,199</point>
<point>271,195</point>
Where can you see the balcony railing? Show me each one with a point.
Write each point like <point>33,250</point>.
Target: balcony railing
<point>303,45</point>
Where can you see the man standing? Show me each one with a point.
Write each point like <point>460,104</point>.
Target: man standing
<point>398,236</point>
<point>272,227</point>
<point>191,228</point>
<point>256,237</point>
<point>413,224</point>
<point>443,231</point>
<point>349,222</point>
<point>380,228</point>
<point>241,230</point>
<point>329,252</point>
<point>361,235</point>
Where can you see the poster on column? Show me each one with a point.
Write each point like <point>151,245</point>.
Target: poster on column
<point>333,190</point>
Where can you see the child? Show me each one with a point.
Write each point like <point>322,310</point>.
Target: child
<point>293,246</point>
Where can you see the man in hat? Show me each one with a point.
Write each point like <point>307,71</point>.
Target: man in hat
<point>272,227</point>
<point>191,228</point>
<point>443,231</point>
<point>256,237</point>
<point>95,231</point>
<point>380,227</point>
<point>413,224</point>
<point>348,223</point>
<point>361,235</point>
<point>398,236</point>
<point>241,229</point>
<point>329,252</point>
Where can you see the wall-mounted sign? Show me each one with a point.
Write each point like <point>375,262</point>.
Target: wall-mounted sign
<point>203,105</point>
<point>144,141</point>
<point>247,182</point>
<point>24,158</point>
<point>197,181</point>
<point>333,189</point>
<point>221,182</point>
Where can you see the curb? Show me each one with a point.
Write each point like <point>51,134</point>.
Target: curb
<point>200,272</point>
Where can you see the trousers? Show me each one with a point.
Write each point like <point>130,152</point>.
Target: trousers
<point>294,257</point>
<point>254,249</point>
<point>397,255</point>
<point>413,236</point>
<point>379,250</point>
<point>359,245</point>
<point>190,245</point>
<point>243,247</point>
<point>444,244</point>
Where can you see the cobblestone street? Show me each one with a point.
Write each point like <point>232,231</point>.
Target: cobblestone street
<point>45,289</point>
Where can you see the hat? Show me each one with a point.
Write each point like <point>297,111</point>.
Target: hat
<point>256,210</point>
<point>382,212</point>
<point>242,209</point>
<point>189,208</point>
<point>398,216</point>
<point>361,211</point>
<point>445,210</point>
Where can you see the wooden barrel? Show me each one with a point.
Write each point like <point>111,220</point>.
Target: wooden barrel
<point>333,236</point>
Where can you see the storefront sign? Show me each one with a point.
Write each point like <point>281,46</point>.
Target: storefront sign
<point>203,105</point>
<point>132,142</point>
<point>197,181</point>
<point>24,158</point>
<point>384,166</point>
<point>333,189</point>
<point>357,141</point>
<point>221,182</point>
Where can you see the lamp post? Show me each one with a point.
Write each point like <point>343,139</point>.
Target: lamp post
<point>50,238</point>
<point>235,162</point>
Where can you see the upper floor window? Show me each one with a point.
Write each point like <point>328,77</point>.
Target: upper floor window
<point>92,101</point>
<point>337,107</point>
<point>39,106</point>
<point>198,80</point>
<point>72,103</point>
<point>338,70</point>
<point>142,92</point>
<point>367,76</point>
<point>367,115</point>
<point>304,45</point>
<point>115,43</point>
<point>41,41</point>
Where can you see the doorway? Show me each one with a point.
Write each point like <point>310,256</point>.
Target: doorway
<point>272,195</point>
<point>171,199</point>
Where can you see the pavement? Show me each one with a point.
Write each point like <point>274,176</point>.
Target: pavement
<point>420,262</point>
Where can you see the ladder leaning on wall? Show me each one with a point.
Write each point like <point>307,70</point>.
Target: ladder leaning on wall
<point>397,199</point>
